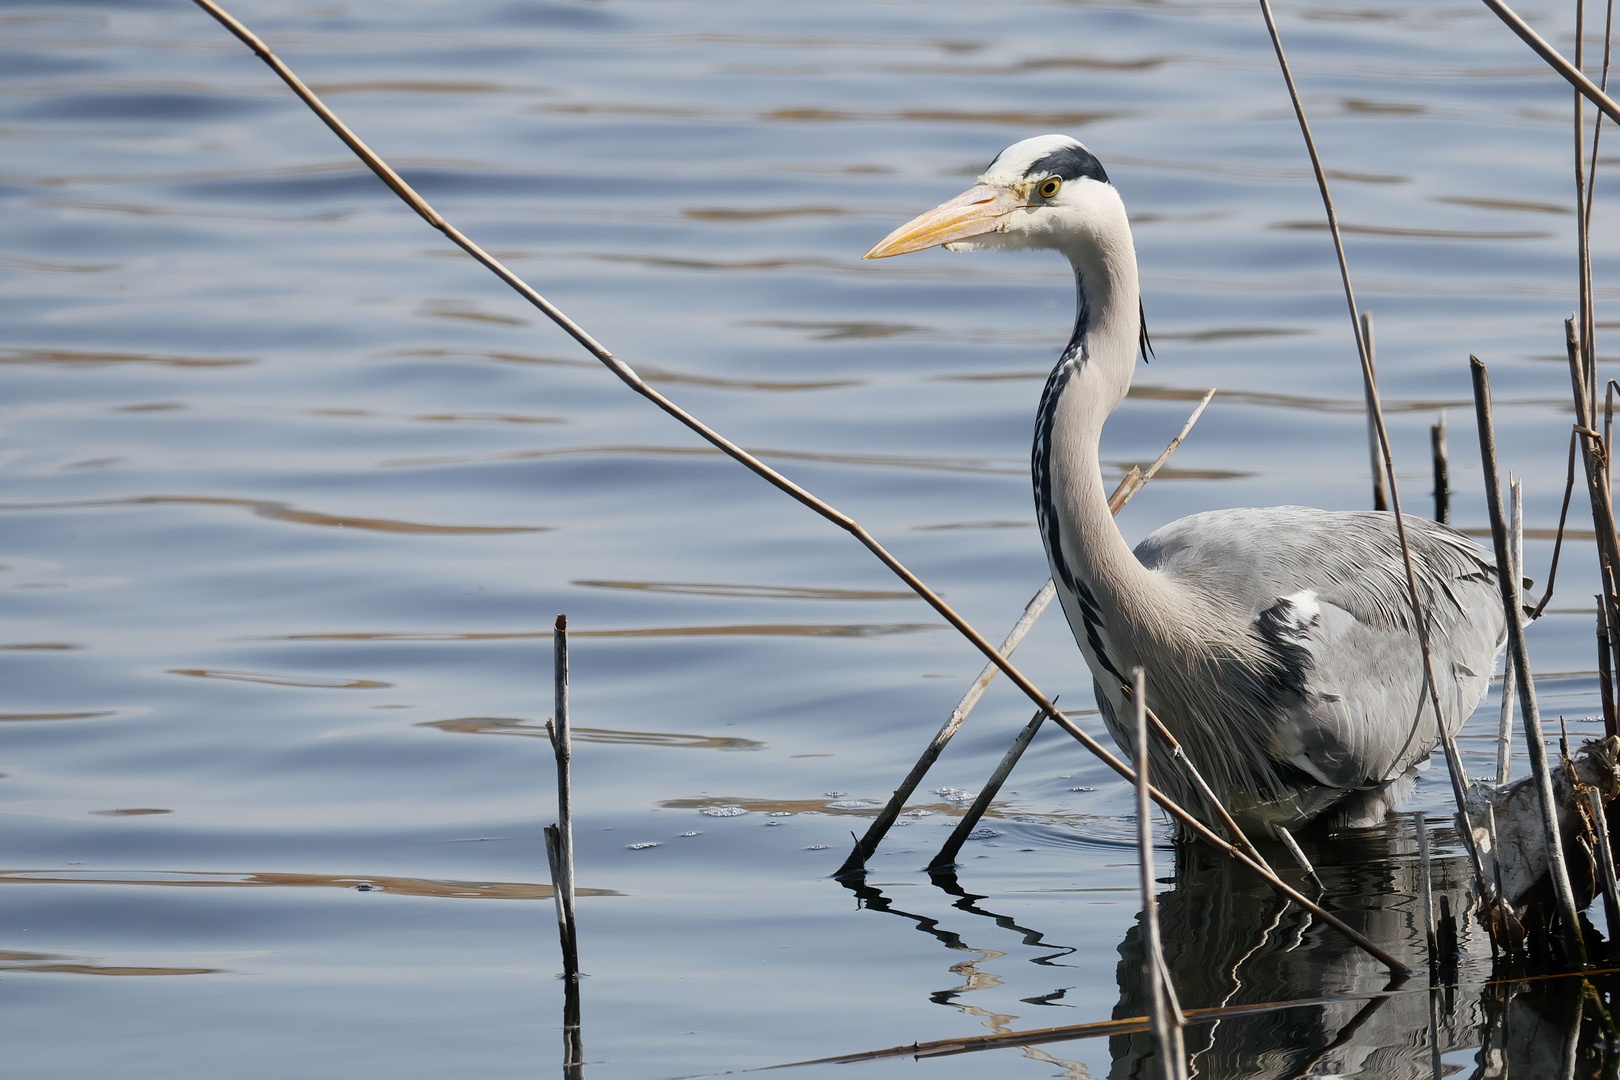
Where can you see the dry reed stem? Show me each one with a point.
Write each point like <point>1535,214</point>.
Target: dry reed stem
<point>1420,624</point>
<point>560,853</point>
<point>1511,607</point>
<point>1576,78</point>
<point>628,376</point>
<point>946,858</point>
<point>868,842</point>
<point>1164,1010</point>
<point>562,747</point>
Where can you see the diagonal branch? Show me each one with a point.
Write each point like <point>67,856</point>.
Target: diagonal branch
<point>1589,89</point>
<point>628,376</point>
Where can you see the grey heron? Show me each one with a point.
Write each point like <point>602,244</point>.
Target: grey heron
<point>1278,642</point>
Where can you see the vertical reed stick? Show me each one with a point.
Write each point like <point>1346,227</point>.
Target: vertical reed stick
<point>1504,728</point>
<point>1605,852</point>
<point>1165,1013</point>
<point>1298,853</point>
<point>992,787</point>
<point>1442,472</point>
<point>562,747</point>
<point>1380,496</point>
<point>1557,867</point>
<point>1426,888</point>
<point>560,853</point>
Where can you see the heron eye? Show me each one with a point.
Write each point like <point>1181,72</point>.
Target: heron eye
<point>1049,186</point>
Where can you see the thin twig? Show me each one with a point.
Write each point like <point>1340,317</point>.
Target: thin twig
<point>1558,868</point>
<point>992,787</point>
<point>628,376</point>
<point>1558,540</point>
<point>1583,227</point>
<point>1420,622</point>
<point>1164,1012</point>
<point>868,843</point>
<point>1590,90</point>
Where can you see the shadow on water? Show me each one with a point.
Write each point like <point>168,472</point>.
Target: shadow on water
<point>1327,1008</point>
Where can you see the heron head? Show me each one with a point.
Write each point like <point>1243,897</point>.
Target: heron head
<point>1045,192</point>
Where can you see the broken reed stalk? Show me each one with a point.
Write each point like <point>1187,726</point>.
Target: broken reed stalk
<point>1164,1009</point>
<point>992,787</point>
<point>1605,853</point>
<point>867,844</point>
<point>1512,609</point>
<point>1380,495</point>
<point>560,852</point>
<point>628,376</point>
<point>1515,572</point>
<point>1420,622</point>
<point>1442,471</point>
<point>1573,75</point>
<point>1298,853</point>
<point>560,837</point>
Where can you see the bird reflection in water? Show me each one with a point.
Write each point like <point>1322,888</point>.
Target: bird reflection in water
<point>1230,941</point>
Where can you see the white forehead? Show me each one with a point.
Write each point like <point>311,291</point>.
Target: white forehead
<point>1014,163</point>
<point>1043,156</point>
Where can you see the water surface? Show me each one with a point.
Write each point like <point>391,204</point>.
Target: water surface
<point>293,490</point>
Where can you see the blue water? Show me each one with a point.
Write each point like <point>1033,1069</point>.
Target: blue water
<point>293,491</point>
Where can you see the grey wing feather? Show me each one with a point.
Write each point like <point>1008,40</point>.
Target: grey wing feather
<point>1325,593</point>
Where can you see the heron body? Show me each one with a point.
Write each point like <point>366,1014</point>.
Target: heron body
<point>1279,643</point>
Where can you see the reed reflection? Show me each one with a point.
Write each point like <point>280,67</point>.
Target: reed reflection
<point>1229,941</point>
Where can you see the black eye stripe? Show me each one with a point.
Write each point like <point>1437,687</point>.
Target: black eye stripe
<point>1069,163</point>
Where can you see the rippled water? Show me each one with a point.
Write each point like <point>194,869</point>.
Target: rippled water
<point>292,491</point>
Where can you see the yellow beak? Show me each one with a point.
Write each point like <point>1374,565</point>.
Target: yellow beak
<point>976,211</point>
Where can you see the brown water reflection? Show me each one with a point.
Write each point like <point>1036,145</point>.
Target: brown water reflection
<point>506,725</point>
<point>207,879</point>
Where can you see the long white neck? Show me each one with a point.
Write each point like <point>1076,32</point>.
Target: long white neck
<point>1111,599</point>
